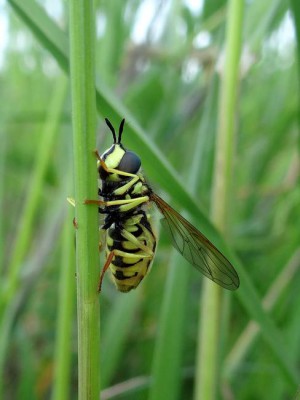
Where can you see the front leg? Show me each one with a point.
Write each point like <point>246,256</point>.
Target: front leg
<point>124,188</point>
<point>111,170</point>
<point>125,205</point>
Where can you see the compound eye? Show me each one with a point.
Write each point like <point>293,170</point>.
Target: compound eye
<point>130,163</point>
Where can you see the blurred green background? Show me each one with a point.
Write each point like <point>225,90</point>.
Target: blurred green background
<point>162,60</point>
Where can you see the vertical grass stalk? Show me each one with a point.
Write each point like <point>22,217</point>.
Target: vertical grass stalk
<point>209,334</point>
<point>62,362</point>
<point>166,365</point>
<point>166,368</point>
<point>82,71</point>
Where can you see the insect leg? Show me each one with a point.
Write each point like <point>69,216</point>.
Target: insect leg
<point>131,255</point>
<point>122,254</point>
<point>104,269</point>
<point>125,205</point>
<point>121,190</point>
<point>132,203</point>
<point>111,170</point>
<point>97,155</point>
<point>131,238</point>
<point>96,202</point>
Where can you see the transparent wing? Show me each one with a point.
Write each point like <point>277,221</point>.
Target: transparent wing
<point>196,248</point>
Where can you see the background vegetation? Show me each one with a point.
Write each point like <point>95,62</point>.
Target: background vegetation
<point>163,61</point>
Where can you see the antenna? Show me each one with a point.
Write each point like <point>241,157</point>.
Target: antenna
<point>108,123</point>
<point>121,130</point>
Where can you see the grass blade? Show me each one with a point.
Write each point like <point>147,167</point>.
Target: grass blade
<point>166,368</point>
<point>82,32</point>
<point>211,300</point>
<point>66,311</point>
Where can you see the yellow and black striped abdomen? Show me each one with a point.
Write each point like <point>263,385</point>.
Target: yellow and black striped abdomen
<point>133,243</point>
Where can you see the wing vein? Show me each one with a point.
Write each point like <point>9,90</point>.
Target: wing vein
<point>195,247</point>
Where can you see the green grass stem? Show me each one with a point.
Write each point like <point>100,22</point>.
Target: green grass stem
<point>66,314</point>
<point>118,326</point>
<point>166,367</point>
<point>82,73</point>
<point>211,299</point>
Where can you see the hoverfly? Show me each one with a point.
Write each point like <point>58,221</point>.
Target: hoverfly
<point>130,240</point>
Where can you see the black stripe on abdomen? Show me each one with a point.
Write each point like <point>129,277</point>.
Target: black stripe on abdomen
<point>118,262</point>
<point>121,277</point>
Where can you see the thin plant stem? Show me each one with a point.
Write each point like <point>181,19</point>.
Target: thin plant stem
<point>166,368</point>
<point>166,365</point>
<point>211,300</point>
<point>82,72</point>
<point>66,313</point>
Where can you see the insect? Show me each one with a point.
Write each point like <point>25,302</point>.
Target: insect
<point>130,240</point>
